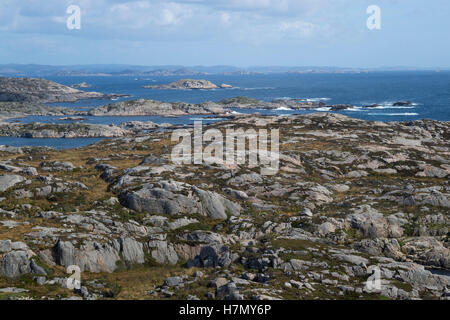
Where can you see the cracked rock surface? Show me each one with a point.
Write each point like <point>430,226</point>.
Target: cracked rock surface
<point>350,197</point>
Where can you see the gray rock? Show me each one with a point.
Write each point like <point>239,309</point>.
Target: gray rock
<point>13,290</point>
<point>356,260</point>
<point>132,251</point>
<point>169,199</point>
<point>357,174</point>
<point>213,256</point>
<point>326,228</point>
<point>9,181</point>
<point>215,206</point>
<point>433,172</point>
<point>40,280</point>
<point>229,292</point>
<point>422,279</point>
<point>306,212</point>
<point>428,251</point>
<point>173,281</point>
<point>380,247</point>
<point>156,200</point>
<point>218,282</point>
<point>163,252</point>
<point>143,107</point>
<point>151,159</point>
<point>15,264</point>
<point>57,166</point>
<point>5,246</point>
<point>244,179</point>
<point>373,224</point>
<point>179,223</point>
<point>90,257</point>
<point>236,194</point>
<point>36,269</point>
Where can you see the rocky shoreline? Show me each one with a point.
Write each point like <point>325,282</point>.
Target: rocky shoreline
<point>140,107</point>
<point>351,196</point>
<point>22,97</point>
<point>67,131</point>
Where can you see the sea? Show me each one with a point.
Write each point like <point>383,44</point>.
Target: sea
<point>429,92</point>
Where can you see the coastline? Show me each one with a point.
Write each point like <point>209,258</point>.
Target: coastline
<point>144,112</point>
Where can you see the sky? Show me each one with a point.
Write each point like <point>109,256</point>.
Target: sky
<point>227,32</point>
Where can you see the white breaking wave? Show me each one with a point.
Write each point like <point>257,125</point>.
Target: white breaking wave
<point>323,109</point>
<point>389,105</point>
<point>285,98</point>
<point>261,88</point>
<point>206,119</point>
<point>397,107</point>
<point>317,99</point>
<point>356,109</point>
<point>394,114</point>
<point>303,99</point>
<point>283,109</point>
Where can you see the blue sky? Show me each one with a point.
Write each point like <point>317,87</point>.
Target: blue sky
<point>231,32</point>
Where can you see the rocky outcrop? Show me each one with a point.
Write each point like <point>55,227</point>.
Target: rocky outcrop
<point>80,85</point>
<point>162,251</point>
<point>281,104</point>
<point>373,224</point>
<point>144,107</point>
<point>402,103</point>
<point>16,260</point>
<point>42,91</point>
<point>350,199</point>
<point>24,109</point>
<point>69,130</point>
<point>99,257</point>
<point>213,256</point>
<point>9,181</point>
<point>174,198</point>
<point>189,84</point>
<point>428,251</point>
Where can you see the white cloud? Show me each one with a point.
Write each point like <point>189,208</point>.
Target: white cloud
<point>298,29</point>
<point>249,21</point>
<point>225,18</point>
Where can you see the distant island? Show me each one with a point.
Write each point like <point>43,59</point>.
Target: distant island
<point>35,70</point>
<point>190,84</point>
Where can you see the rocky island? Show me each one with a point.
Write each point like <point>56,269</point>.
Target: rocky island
<point>80,85</point>
<point>190,84</point>
<point>143,107</point>
<point>67,131</point>
<point>350,197</point>
<point>24,109</point>
<point>43,91</point>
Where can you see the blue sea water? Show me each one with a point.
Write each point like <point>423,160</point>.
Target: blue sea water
<point>56,143</point>
<point>428,90</point>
